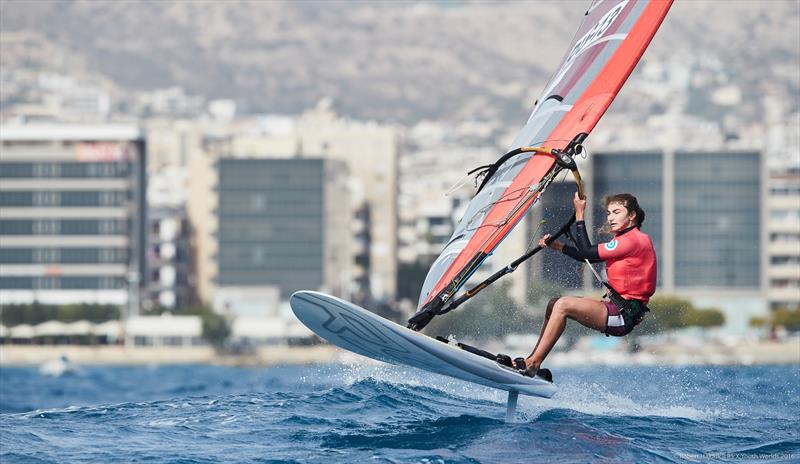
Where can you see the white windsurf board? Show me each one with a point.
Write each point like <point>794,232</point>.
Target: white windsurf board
<point>355,329</point>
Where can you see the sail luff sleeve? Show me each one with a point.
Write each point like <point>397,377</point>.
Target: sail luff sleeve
<point>609,43</point>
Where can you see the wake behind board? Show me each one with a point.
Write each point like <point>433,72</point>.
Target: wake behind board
<point>360,331</point>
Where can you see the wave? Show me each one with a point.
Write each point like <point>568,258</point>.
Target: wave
<point>588,398</point>
<point>367,412</point>
<point>594,399</point>
<point>382,390</point>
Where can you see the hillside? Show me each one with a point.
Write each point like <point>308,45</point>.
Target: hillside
<point>391,61</point>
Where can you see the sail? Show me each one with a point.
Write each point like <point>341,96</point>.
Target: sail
<point>612,37</point>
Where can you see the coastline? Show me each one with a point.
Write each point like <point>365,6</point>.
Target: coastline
<point>748,353</point>
<point>116,355</point>
<point>745,353</point>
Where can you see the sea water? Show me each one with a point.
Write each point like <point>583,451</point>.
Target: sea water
<point>386,414</point>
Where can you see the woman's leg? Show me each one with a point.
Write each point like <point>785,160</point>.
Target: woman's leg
<point>590,313</point>
<point>547,313</point>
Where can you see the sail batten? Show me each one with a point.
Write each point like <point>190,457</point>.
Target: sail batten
<point>608,44</point>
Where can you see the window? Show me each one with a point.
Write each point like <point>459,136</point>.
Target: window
<point>784,283</point>
<point>15,255</point>
<point>779,260</point>
<point>111,226</point>
<point>16,227</point>
<point>46,255</point>
<point>172,341</point>
<point>258,255</point>
<point>46,170</point>
<point>106,255</point>
<point>16,282</point>
<point>107,282</point>
<point>16,170</point>
<point>784,237</point>
<point>79,198</point>
<point>47,283</point>
<point>46,227</point>
<point>258,201</point>
<point>785,190</point>
<point>787,215</point>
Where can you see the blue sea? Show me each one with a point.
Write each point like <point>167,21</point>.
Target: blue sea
<point>385,414</point>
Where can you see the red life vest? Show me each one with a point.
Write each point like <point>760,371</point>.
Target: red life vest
<point>630,264</point>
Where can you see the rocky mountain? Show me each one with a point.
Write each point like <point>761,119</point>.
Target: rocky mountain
<point>391,61</point>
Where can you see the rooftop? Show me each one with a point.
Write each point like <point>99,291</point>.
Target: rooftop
<point>69,132</point>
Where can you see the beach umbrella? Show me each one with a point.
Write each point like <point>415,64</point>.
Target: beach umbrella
<point>255,327</point>
<point>83,327</point>
<point>111,329</point>
<point>49,328</point>
<point>21,331</point>
<point>165,325</point>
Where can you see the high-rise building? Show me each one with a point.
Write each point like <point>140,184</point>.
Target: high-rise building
<point>783,202</point>
<point>171,274</point>
<point>370,152</point>
<point>283,223</point>
<point>72,214</point>
<point>718,220</point>
<point>170,277</point>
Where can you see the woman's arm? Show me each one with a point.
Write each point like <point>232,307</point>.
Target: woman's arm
<point>584,248</point>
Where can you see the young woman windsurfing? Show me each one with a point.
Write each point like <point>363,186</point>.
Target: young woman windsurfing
<point>631,268</point>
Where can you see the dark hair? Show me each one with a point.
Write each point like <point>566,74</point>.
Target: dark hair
<point>629,202</point>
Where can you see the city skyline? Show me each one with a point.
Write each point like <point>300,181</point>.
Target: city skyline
<point>779,214</point>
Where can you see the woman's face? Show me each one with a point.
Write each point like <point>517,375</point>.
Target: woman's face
<point>619,218</point>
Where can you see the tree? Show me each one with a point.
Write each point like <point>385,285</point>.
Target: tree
<point>665,314</point>
<point>216,328</point>
<point>782,317</point>
<point>786,318</point>
<point>671,312</point>
<point>35,313</point>
<point>705,318</point>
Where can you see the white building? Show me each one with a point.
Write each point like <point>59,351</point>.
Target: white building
<point>783,227</point>
<point>164,330</point>
<point>73,214</point>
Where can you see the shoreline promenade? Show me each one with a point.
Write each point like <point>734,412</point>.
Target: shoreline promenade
<point>747,353</point>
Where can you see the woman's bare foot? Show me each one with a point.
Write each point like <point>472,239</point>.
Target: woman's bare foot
<point>531,368</point>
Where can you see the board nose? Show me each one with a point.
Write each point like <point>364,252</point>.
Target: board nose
<point>307,310</point>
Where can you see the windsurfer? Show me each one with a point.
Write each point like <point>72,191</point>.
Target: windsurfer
<point>631,268</point>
